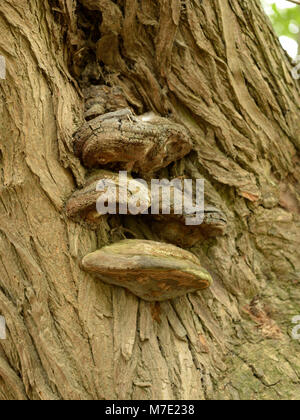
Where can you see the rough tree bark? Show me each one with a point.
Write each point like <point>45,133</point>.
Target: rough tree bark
<point>217,68</point>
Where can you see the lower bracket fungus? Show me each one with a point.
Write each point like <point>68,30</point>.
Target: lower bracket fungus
<point>153,271</point>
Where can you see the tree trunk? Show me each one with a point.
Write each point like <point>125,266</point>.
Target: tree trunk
<point>217,68</point>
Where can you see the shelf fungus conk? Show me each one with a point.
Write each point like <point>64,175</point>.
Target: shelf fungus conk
<point>152,271</point>
<point>179,228</point>
<point>120,140</point>
<point>82,206</point>
<point>135,197</point>
<point>175,230</point>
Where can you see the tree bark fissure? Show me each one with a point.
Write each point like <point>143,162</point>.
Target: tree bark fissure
<point>217,69</point>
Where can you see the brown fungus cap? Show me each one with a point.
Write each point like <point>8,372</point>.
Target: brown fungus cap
<point>153,271</point>
<point>172,228</point>
<point>117,141</point>
<point>82,204</point>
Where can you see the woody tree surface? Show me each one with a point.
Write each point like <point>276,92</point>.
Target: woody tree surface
<point>217,68</point>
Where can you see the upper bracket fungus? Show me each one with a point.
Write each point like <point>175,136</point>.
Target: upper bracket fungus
<point>112,193</point>
<point>151,270</point>
<point>119,140</point>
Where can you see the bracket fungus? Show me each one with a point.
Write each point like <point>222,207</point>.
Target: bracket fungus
<point>153,271</point>
<point>82,206</point>
<point>120,140</point>
<point>135,197</point>
<point>172,228</point>
<point>176,225</point>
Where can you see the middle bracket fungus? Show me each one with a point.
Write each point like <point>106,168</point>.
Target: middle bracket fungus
<point>137,194</point>
<point>172,228</point>
<point>153,271</point>
<point>82,206</point>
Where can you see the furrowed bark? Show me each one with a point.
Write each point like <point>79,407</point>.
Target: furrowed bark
<point>217,69</point>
